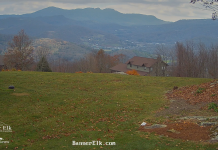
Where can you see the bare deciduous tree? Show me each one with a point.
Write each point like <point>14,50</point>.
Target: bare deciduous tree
<point>163,52</point>
<point>195,61</point>
<point>186,60</point>
<point>19,52</point>
<point>98,62</point>
<point>202,61</point>
<point>213,62</point>
<point>41,51</point>
<point>208,4</point>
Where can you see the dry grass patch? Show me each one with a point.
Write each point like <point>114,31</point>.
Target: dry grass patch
<point>20,94</point>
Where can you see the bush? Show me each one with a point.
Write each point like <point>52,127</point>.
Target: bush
<point>13,69</point>
<point>200,90</point>
<point>132,72</point>
<point>213,106</point>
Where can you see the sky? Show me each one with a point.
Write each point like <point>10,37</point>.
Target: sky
<point>167,10</point>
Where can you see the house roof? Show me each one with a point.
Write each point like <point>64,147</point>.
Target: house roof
<point>120,67</point>
<point>142,61</point>
<point>123,68</point>
<point>1,60</point>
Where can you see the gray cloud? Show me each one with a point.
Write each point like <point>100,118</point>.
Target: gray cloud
<point>168,2</point>
<point>169,10</point>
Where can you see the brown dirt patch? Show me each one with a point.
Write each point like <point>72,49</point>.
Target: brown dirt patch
<point>187,101</point>
<point>180,108</point>
<point>20,94</point>
<point>206,92</point>
<point>183,130</point>
<point>192,100</point>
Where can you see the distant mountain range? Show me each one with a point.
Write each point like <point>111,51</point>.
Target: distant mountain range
<point>96,15</point>
<point>107,29</point>
<point>99,16</point>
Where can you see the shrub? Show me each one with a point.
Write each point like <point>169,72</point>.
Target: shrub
<point>13,69</point>
<point>79,72</point>
<point>200,90</point>
<point>213,106</point>
<point>212,95</point>
<point>132,72</point>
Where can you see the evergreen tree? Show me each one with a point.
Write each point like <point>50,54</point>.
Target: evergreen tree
<point>43,65</point>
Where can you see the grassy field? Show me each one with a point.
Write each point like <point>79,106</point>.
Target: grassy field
<point>50,110</point>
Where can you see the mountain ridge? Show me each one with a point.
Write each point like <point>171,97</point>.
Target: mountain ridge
<point>96,14</point>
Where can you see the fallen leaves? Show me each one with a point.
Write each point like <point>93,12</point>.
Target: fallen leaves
<point>206,92</point>
<point>52,136</point>
<point>181,130</point>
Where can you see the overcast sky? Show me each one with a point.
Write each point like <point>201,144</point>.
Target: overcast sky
<point>168,10</point>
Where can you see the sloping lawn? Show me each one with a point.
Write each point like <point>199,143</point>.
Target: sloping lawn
<point>51,110</point>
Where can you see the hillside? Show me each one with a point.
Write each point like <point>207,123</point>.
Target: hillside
<point>54,109</point>
<point>62,49</point>
<point>102,29</point>
<point>58,48</point>
<point>57,27</point>
<point>111,36</point>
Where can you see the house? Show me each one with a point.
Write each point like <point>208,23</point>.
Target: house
<point>144,66</point>
<point>1,62</point>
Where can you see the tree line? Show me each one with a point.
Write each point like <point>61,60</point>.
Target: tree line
<point>95,61</point>
<point>190,60</point>
<point>184,59</point>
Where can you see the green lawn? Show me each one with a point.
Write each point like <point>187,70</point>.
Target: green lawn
<point>50,110</point>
